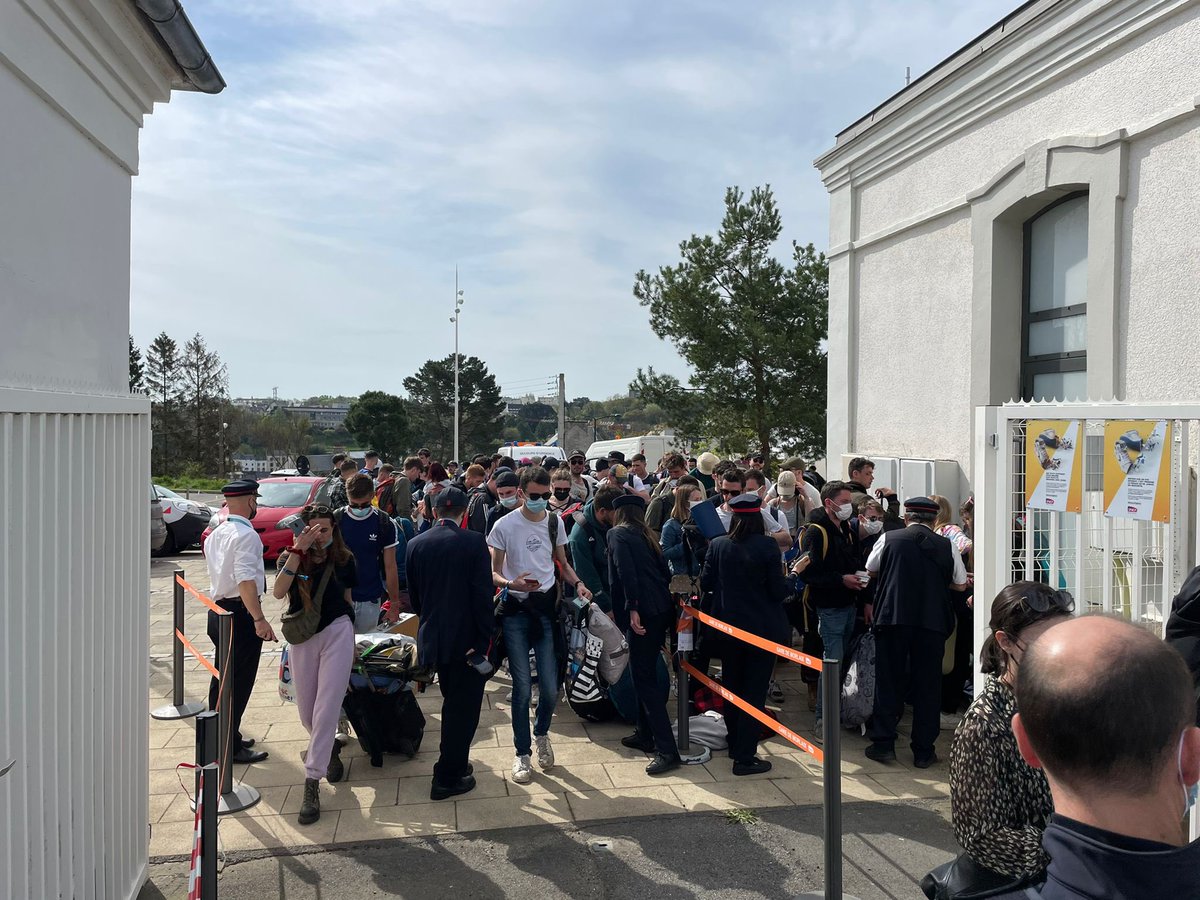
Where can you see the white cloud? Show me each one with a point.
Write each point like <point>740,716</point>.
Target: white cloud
<point>308,220</point>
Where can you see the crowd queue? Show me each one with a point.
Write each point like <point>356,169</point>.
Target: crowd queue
<point>1069,772</point>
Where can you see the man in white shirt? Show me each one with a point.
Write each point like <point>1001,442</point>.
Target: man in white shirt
<point>234,553</point>
<point>733,483</point>
<point>525,546</point>
<point>582,484</point>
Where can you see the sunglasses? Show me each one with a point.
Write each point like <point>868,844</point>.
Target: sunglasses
<point>545,496</point>
<point>725,493</point>
<point>1041,602</point>
<point>314,511</point>
<point>363,505</point>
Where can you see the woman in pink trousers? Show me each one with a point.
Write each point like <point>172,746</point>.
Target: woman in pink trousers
<point>321,663</point>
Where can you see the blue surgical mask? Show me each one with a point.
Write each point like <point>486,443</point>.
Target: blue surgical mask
<point>1189,792</point>
<point>536,506</point>
<point>508,502</point>
<point>359,513</point>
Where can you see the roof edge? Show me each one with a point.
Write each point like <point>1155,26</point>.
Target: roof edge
<point>178,35</point>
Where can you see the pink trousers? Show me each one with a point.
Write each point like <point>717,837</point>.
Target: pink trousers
<point>321,672</point>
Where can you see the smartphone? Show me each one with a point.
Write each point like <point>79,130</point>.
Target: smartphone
<point>480,664</point>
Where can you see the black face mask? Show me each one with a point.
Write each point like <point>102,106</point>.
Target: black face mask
<point>253,513</point>
<point>562,493</point>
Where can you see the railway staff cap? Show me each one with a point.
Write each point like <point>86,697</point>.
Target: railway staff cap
<point>629,500</point>
<point>244,487</point>
<point>921,505</point>
<point>746,503</point>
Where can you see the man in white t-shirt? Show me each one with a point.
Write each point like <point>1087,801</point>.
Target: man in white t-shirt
<point>525,547</point>
<point>811,496</point>
<point>733,483</point>
<point>583,486</point>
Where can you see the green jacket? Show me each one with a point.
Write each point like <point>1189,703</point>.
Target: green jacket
<point>588,544</point>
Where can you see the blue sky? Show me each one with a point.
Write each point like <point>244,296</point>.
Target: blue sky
<point>307,221</point>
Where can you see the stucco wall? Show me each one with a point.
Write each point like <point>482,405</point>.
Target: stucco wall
<point>1134,82</point>
<point>1160,268</point>
<point>64,251</point>
<point>914,323</point>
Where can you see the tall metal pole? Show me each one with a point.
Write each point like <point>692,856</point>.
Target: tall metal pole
<point>562,411</point>
<point>458,299</point>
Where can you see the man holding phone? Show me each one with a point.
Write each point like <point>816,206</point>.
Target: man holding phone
<point>450,587</point>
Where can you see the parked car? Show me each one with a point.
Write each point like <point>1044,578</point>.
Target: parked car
<point>158,528</point>
<point>186,520</point>
<point>278,497</point>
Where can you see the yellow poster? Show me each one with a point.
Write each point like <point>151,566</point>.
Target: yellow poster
<point>1053,470</point>
<point>1137,470</point>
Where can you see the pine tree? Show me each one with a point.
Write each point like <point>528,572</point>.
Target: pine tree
<point>137,369</point>
<point>163,381</point>
<point>205,383</point>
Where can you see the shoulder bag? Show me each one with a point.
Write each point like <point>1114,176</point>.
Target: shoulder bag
<point>302,624</point>
<point>964,879</point>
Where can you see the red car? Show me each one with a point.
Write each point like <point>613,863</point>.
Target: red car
<point>278,497</point>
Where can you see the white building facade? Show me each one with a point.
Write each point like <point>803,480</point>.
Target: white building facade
<point>77,78</point>
<point>1021,222</point>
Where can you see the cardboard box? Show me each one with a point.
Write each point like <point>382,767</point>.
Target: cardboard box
<point>406,624</point>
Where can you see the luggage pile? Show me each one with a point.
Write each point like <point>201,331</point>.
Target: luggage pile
<point>381,703</point>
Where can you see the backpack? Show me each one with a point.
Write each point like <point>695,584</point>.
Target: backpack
<point>858,681</point>
<point>587,694</point>
<point>385,498</point>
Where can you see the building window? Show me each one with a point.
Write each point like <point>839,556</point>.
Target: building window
<point>1054,325</point>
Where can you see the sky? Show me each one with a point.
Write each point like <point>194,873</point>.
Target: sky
<point>308,220</point>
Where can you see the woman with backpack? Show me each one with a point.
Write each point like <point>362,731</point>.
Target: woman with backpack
<point>682,560</point>
<point>744,577</point>
<point>316,574</point>
<point>640,586</point>
<point>999,804</point>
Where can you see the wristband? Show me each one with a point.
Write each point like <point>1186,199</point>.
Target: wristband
<point>286,571</point>
<point>260,619</point>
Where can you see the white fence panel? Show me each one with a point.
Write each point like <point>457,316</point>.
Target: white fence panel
<point>74,676</point>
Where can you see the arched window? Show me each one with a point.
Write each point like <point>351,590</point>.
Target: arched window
<point>1054,325</point>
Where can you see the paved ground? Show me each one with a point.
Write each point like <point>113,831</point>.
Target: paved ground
<point>596,780</point>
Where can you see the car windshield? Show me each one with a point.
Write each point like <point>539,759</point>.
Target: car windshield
<point>283,493</point>
<point>166,492</point>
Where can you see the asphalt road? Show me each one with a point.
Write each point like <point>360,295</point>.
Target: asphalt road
<point>887,848</point>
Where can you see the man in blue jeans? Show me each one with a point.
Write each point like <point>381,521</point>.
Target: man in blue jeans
<point>833,583</point>
<point>525,547</point>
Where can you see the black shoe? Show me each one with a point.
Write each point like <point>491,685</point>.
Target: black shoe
<point>470,770</point>
<point>661,764</point>
<point>462,785</point>
<point>924,761</point>
<point>336,771</point>
<point>246,755</point>
<point>880,753</point>
<point>752,766</point>
<point>310,808</point>
<point>248,743</point>
<point>637,741</point>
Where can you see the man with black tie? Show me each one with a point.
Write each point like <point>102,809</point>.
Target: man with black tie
<point>450,586</point>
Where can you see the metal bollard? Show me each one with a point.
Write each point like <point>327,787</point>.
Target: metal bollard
<point>178,708</point>
<point>234,797</point>
<point>208,832</point>
<point>206,744</point>
<point>831,700</point>
<point>696,755</point>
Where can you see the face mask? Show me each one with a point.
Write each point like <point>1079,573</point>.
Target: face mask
<point>845,511</point>
<point>536,506</point>
<point>359,513</point>
<point>873,526</point>
<point>1189,793</point>
<point>507,502</point>
<point>692,504</point>
<point>253,513</point>
<point>327,544</point>
<point>562,493</point>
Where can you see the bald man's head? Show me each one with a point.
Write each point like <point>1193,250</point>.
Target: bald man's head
<point>1103,703</point>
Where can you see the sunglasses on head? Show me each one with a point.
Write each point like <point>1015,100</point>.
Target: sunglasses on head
<point>313,511</point>
<point>1041,602</point>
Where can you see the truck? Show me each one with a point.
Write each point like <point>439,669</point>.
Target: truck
<point>654,446</point>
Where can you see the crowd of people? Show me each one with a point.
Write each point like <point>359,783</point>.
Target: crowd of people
<point>487,551</point>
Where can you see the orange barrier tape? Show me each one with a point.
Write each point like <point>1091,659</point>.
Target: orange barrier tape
<point>201,658</point>
<point>199,596</point>
<point>780,729</point>
<point>770,646</point>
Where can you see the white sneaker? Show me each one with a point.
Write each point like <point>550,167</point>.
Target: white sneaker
<point>522,771</point>
<point>545,753</point>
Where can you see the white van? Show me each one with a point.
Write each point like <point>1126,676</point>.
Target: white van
<point>533,451</point>
<point>654,446</point>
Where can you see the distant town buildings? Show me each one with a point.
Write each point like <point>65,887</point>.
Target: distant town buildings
<point>331,416</point>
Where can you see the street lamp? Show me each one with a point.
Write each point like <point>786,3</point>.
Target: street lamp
<point>458,304</point>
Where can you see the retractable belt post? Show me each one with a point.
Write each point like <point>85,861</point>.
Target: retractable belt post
<point>179,707</point>
<point>206,746</point>
<point>208,832</point>
<point>696,755</point>
<point>234,797</point>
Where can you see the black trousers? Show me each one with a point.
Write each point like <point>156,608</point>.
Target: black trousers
<point>901,649</point>
<point>644,650</point>
<point>462,698</point>
<point>746,671</point>
<point>243,662</point>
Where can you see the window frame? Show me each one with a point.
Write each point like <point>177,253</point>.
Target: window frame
<point>1053,363</point>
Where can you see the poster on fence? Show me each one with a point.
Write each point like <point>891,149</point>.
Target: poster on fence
<point>1053,471</point>
<point>1137,470</point>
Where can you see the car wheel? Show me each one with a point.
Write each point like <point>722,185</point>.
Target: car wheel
<point>168,548</point>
